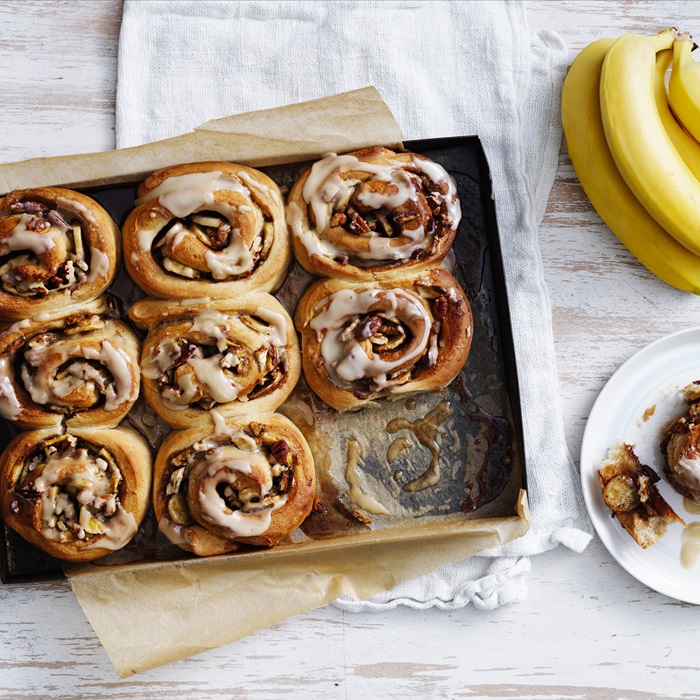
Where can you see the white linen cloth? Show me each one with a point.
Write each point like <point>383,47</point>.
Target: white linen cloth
<point>444,69</point>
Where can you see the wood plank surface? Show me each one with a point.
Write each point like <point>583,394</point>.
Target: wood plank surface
<point>587,630</point>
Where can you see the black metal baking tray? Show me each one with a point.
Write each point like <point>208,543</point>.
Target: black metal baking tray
<point>490,368</point>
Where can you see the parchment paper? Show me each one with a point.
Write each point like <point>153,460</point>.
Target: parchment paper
<point>289,134</point>
<point>150,613</point>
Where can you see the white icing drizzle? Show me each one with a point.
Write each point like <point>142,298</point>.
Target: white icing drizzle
<point>226,465</point>
<point>16,326</point>
<point>314,244</point>
<point>80,373</point>
<point>437,173</point>
<point>324,188</point>
<point>175,235</point>
<point>208,371</point>
<point>223,428</point>
<point>44,389</point>
<point>178,399</point>
<point>64,471</point>
<point>76,207</point>
<point>43,317</point>
<point>236,255</point>
<point>380,248</point>
<point>119,529</point>
<point>118,363</point>
<point>433,350</point>
<point>99,265</point>
<point>145,238</point>
<point>160,359</point>
<point>182,195</point>
<point>347,361</point>
<point>93,489</point>
<point>220,427</point>
<point>210,374</point>
<point>254,184</point>
<point>21,238</point>
<point>233,260</point>
<point>173,532</point>
<point>211,323</point>
<point>379,200</point>
<point>688,465</point>
<point>277,335</point>
<point>10,407</point>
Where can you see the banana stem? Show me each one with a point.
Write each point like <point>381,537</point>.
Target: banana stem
<point>664,39</point>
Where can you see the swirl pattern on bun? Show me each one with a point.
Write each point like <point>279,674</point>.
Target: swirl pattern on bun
<point>79,495</point>
<point>57,246</point>
<point>238,356</point>
<point>366,340</point>
<point>240,481</point>
<point>79,366</point>
<point>372,214</point>
<point>207,229</point>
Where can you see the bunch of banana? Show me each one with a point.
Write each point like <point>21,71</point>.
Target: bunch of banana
<point>638,165</point>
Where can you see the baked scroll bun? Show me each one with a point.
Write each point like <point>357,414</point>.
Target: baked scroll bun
<point>680,447</point>
<point>210,229</point>
<point>246,480</point>
<point>238,356</point>
<point>366,340</point>
<point>79,495</point>
<point>80,365</point>
<point>57,247</point>
<point>372,214</point>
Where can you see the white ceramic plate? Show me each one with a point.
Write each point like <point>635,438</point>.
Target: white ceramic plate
<point>649,381</point>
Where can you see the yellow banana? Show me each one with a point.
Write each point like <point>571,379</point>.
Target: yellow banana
<point>684,86</point>
<point>603,184</point>
<point>688,148</point>
<point>643,151</point>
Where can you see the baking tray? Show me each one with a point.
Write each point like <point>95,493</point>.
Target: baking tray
<point>478,484</point>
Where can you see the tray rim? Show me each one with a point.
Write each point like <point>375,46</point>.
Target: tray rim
<point>372,537</point>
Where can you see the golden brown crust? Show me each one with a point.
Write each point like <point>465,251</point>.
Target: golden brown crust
<point>372,214</point>
<point>680,447</point>
<point>58,247</point>
<point>629,491</point>
<point>238,356</point>
<point>190,461</point>
<point>25,499</point>
<point>435,310</point>
<point>239,242</point>
<point>80,366</point>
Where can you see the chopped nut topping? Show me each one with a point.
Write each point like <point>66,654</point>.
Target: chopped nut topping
<point>358,225</point>
<point>36,224</point>
<point>279,451</point>
<point>29,207</point>
<point>367,328</point>
<point>338,219</point>
<point>439,307</point>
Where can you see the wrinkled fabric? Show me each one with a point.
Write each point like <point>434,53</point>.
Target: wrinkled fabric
<point>444,69</point>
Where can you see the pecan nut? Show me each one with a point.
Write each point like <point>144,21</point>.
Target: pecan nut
<point>440,307</point>
<point>367,328</point>
<point>279,451</point>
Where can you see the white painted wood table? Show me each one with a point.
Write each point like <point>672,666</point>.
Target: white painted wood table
<point>588,629</point>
